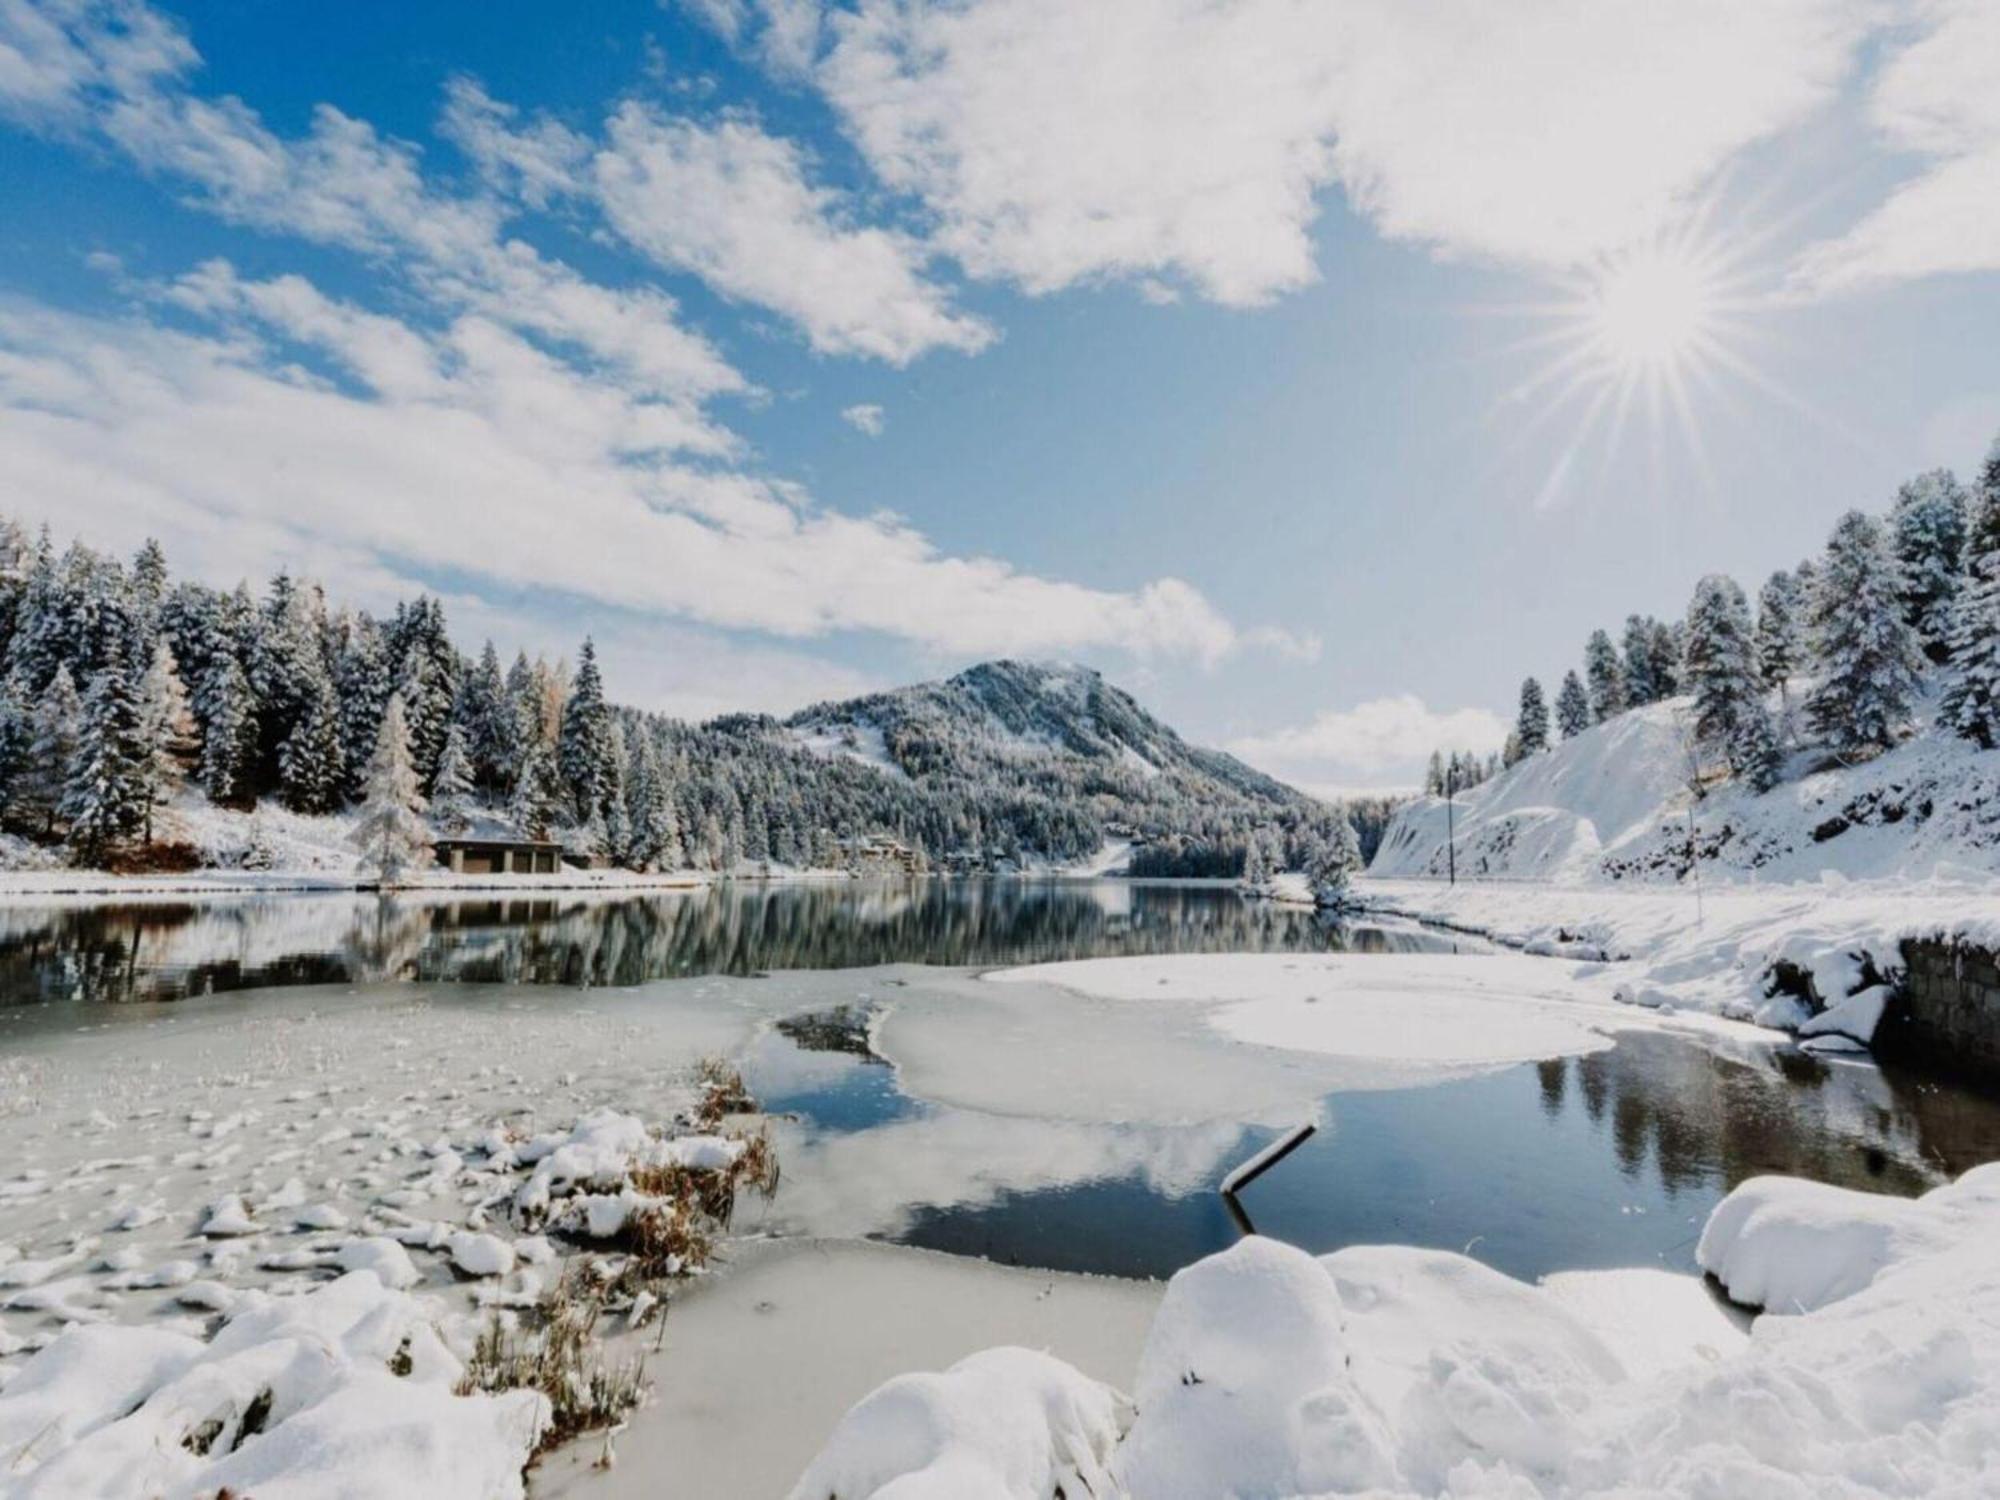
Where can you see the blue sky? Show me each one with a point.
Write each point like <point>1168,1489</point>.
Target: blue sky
<point>1264,355</point>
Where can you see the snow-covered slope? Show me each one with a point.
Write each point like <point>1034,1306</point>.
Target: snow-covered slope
<point>1614,804</point>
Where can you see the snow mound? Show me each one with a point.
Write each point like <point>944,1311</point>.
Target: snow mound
<point>1792,1246</point>
<point>1000,1423</point>
<point>295,1396</point>
<point>1395,1371</point>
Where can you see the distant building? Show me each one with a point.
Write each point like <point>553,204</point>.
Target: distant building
<point>499,856</point>
<point>878,853</point>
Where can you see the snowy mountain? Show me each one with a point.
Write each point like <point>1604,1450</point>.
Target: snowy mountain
<point>1046,761</point>
<point>1614,804</point>
<point>1010,719</point>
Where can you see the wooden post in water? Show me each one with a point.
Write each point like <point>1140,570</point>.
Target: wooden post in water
<point>1249,1171</point>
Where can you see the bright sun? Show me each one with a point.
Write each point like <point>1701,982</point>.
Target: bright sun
<point>1652,310</point>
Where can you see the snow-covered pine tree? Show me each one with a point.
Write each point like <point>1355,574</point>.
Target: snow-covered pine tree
<point>1256,870</point>
<point>390,832</point>
<point>1642,683</point>
<point>365,677</point>
<point>16,728</point>
<point>1867,656</point>
<point>1721,665</point>
<point>228,718</point>
<point>285,667</point>
<point>1335,860</point>
<point>1929,522</point>
<point>1572,706</point>
<point>584,751</point>
<point>537,800</point>
<point>148,591</point>
<point>493,727</point>
<point>1434,775</point>
<point>451,790</point>
<point>1753,749</point>
<point>1605,676</point>
<point>1970,704</point>
<point>55,729</point>
<point>1781,639</point>
<point>166,728</point>
<point>1669,653</point>
<point>38,646</point>
<point>1531,724</point>
<point>649,810</point>
<point>310,769</point>
<point>104,803</point>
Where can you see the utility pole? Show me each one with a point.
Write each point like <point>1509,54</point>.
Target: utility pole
<point>1450,826</point>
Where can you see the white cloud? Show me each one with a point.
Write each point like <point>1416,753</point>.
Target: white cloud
<point>1383,738</point>
<point>734,206</point>
<point>1058,142</point>
<point>479,453</point>
<point>784,35</point>
<point>865,418</point>
<point>1940,98</point>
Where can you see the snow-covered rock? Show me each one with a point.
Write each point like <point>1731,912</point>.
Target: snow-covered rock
<point>1001,1423</point>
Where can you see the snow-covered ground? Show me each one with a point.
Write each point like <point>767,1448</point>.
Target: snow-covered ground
<point>1389,1371</point>
<point>183,1181</point>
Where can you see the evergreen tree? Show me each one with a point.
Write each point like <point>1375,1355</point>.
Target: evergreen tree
<point>1531,725</point>
<point>1753,749</point>
<point>391,833</point>
<point>584,752</point>
<point>1929,523</point>
<point>227,713</point>
<point>149,590</point>
<point>1970,705</point>
<point>1256,862</point>
<point>1668,652</point>
<point>1781,643</point>
<point>55,730</point>
<point>366,678</point>
<point>1572,706</point>
<point>493,727</point>
<point>537,801</point>
<point>16,732</point>
<point>1868,657</point>
<point>1434,775</point>
<point>285,667</point>
<point>166,729</point>
<point>310,769</point>
<point>1335,859</point>
<point>1721,665</point>
<point>39,646</point>
<point>1606,676</point>
<point>104,802</point>
<point>649,810</point>
<point>451,792</point>
<point>1642,683</point>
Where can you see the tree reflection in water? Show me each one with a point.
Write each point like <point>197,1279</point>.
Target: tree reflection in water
<point>168,949</point>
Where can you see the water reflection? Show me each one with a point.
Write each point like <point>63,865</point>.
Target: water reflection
<point>167,949</point>
<point>1610,1159</point>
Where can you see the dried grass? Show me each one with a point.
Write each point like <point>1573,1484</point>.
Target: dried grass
<point>555,1350</point>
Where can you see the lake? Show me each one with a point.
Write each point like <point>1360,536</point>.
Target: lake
<point>1613,1158</point>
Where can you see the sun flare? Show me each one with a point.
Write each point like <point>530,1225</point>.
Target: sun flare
<point>1652,310</point>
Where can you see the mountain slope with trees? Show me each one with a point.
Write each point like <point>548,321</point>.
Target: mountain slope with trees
<point>1850,724</point>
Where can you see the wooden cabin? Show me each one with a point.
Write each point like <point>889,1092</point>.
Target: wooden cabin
<point>499,856</point>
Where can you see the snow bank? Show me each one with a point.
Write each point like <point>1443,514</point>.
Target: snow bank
<point>1718,949</point>
<point>294,1396</point>
<point>1404,1372</point>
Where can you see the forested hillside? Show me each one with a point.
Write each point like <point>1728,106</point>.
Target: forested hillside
<point>1849,723</point>
<point>126,692</point>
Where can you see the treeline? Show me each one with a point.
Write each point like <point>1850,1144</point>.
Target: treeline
<point>1896,607</point>
<point>119,686</point>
